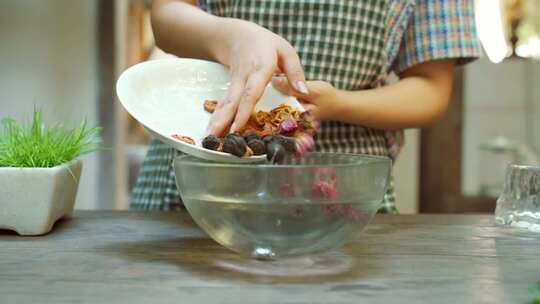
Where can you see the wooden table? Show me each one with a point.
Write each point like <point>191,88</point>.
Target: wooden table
<point>153,257</point>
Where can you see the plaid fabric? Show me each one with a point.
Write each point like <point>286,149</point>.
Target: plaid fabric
<point>439,29</point>
<point>155,188</point>
<point>353,45</point>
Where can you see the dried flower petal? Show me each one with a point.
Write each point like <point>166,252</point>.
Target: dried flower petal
<point>330,210</point>
<point>249,152</point>
<point>287,126</point>
<point>185,139</point>
<point>323,189</point>
<point>210,106</point>
<point>287,190</point>
<point>297,211</point>
<point>304,143</point>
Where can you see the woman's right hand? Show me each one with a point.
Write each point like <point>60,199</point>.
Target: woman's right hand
<point>253,54</point>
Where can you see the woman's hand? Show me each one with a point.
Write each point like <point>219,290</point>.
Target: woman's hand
<point>418,99</point>
<point>253,54</point>
<point>322,99</point>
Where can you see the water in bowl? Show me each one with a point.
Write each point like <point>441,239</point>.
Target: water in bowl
<point>268,230</point>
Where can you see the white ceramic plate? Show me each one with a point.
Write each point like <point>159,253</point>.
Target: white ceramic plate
<point>167,96</point>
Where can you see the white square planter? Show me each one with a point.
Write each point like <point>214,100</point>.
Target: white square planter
<point>33,199</point>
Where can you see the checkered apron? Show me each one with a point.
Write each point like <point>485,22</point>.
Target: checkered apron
<point>343,42</point>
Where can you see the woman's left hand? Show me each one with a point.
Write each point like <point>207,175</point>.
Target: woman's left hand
<point>322,100</point>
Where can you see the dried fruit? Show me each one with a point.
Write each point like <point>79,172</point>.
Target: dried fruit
<point>248,136</point>
<point>324,189</point>
<point>304,143</point>
<point>185,139</point>
<point>308,124</point>
<point>234,144</point>
<point>211,142</point>
<point>269,138</point>
<point>257,146</point>
<point>275,152</point>
<point>210,106</point>
<point>288,126</point>
<point>266,123</point>
<point>284,125</point>
<point>235,135</point>
<point>287,190</point>
<point>287,142</point>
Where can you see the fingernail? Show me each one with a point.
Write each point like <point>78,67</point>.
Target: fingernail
<point>302,87</point>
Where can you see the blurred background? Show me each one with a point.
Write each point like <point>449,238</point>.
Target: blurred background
<point>65,56</point>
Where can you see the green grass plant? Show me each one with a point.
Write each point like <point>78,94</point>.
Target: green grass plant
<point>37,146</point>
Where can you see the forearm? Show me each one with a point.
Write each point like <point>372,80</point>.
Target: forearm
<point>418,99</point>
<point>181,28</point>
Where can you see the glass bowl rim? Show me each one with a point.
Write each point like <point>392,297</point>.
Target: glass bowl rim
<point>524,167</point>
<point>196,162</point>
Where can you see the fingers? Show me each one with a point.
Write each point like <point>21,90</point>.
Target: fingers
<point>245,90</point>
<point>253,90</point>
<point>309,107</point>
<point>282,84</point>
<point>291,66</point>
<point>227,107</point>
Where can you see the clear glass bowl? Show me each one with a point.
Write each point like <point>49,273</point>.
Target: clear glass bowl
<point>303,206</point>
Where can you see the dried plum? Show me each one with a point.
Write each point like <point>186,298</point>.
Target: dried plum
<point>275,152</point>
<point>234,144</point>
<point>211,142</point>
<point>251,136</point>
<point>257,146</point>
<point>287,142</point>
<point>269,138</point>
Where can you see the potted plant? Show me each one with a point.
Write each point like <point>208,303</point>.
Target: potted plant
<point>39,172</point>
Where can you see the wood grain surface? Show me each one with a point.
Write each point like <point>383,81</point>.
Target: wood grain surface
<point>158,257</point>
